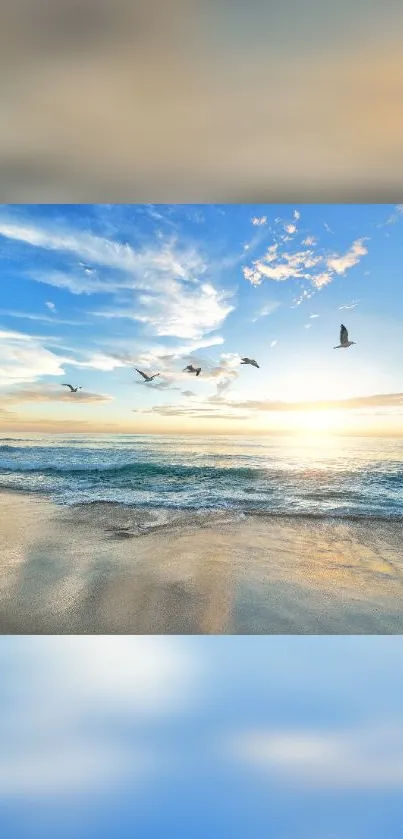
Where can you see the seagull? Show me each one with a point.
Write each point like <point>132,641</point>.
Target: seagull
<point>344,342</point>
<point>249,361</point>
<point>73,389</point>
<point>145,376</point>
<point>191,369</point>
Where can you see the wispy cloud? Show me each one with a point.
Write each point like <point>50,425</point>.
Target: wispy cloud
<point>51,306</point>
<point>170,294</point>
<point>226,372</point>
<point>158,384</point>
<point>24,358</point>
<point>163,356</point>
<point>367,758</point>
<point>341,264</point>
<point>385,400</point>
<point>52,748</point>
<point>97,361</point>
<point>318,268</point>
<point>351,305</point>
<point>185,312</point>
<point>305,295</point>
<point>259,221</point>
<point>223,373</point>
<point>394,217</point>
<point>41,318</point>
<point>267,309</point>
<point>96,250</point>
<point>52,393</point>
<point>196,411</point>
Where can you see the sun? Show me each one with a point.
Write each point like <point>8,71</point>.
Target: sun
<point>318,422</point>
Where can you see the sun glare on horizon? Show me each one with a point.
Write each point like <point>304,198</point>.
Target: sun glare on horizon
<point>317,421</point>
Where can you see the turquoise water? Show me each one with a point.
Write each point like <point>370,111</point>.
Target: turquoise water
<point>281,476</point>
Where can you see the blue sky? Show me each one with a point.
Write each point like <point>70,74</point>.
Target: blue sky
<point>281,736</point>
<point>90,291</point>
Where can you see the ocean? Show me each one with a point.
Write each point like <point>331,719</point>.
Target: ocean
<point>345,477</point>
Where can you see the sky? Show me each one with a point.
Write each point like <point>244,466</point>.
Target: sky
<point>288,736</point>
<point>89,292</point>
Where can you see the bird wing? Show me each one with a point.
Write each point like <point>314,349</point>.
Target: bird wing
<point>70,386</point>
<point>141,373</point>
<point>343,334</point>
<point>198,371</point>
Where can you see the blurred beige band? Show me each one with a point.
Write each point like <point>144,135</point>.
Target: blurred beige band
<point>161,101</point>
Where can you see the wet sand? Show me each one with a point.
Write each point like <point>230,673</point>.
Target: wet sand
<point>100,568</point>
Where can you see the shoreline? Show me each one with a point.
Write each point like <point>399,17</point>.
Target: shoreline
<point>331,517</point>
<point>103,568</point>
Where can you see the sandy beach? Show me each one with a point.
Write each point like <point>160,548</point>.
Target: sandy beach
<point>106,568</point>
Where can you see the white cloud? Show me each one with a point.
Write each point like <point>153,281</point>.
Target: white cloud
<point>40,318</point>
<point>98,361</point>
<point>394,217</point>
<point>51,306</point>
<point>318,268</point>
<point>146,268</point>
<point>340,264</point>
<point>223,373</point>
<point>169,293</point>
<point>305,295</point>
<point>99,251</point>
<point>67,766</point>
<point>297,214</point>
<point>50,745</point>
<point>366,759</point>
<point>290,228</point>
<point>259,221</point>
<point>150,675</point>
<point>313,316</point>
<point>165,357</point>
<point>23,358</point>
<point>273,343</point>
<point>184,312</point>
<point>51,393</point>
<point>309,241</point>
<point>267,309</point>
<point>320,280</point>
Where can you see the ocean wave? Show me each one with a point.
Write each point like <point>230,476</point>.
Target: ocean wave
<point>178,470</point>
<point>138,469</point>
<point>235,479</point>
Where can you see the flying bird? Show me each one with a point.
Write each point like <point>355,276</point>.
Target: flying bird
<point>344,342</point>
<point>73,389</point>
<point>145,376</point>
<point>191,369</point>
<point>249,361</point>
